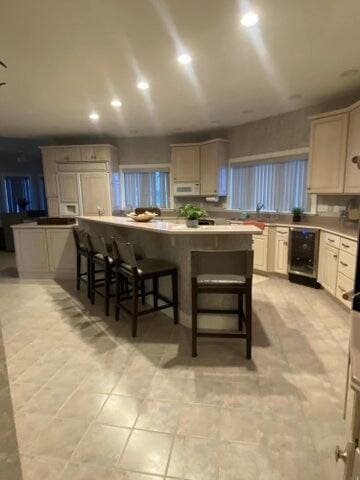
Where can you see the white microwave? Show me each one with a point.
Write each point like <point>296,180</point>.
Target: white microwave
<point>186,189</point>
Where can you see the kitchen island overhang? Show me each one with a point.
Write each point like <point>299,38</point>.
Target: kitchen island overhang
<point>174,241</point>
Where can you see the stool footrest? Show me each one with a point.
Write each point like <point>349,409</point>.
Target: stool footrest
<point>221,335</point>
<point>211,310</point>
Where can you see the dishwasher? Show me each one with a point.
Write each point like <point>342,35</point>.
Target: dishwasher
<point>303,256</point>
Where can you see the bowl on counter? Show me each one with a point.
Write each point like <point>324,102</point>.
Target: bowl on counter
<point>142,217</point>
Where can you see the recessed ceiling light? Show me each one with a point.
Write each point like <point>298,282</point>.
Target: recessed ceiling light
<point>249,19</point>
<point>350,73</point>
<point>185,59</point>
<point>247,110</point>
<point>116,103</point>
<point>94,116</point>
<point>296,96</point>
<point>143,85</point>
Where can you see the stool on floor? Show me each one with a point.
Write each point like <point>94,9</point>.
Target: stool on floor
<point>138,271</point>
<point>82,250</point>
<point>100,258</point>
<point>222,272</point>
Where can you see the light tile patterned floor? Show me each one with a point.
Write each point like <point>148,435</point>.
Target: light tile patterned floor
<point>91,403</point>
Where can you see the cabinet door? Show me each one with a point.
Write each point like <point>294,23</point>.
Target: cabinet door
<point>31,251</point>
<point>49,167</point>
<point>352,170</point>
<point>102,154</point>
<point>61,249</point>
<point>87,154</point>
<point>281,255</point>
<point>330,269</point>
<point>68,187</point>
<point>53,206</point>
<point>260,245</point>
<point>328,142</point>
<point>95,192</point>
<point>186,163</point>
<point>68,154</point>
<point>209,169</point>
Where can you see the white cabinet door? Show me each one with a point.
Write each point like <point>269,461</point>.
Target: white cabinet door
<point>61,250</point>
<point>186,163</point>
<point>260,247</point>
<point>68,154</point>
<point>31,251</point>
<point>68,187</point>
<point>281,250</point>
<point>96,154</point>
<point>329,268</point>
<point>95,192</point>
<point>328,144</point>
<point>49,167</point>
<point>53,206</point>
<point>352,171</point>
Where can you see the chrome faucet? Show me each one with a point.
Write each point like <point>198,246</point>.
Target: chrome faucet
<point>259,207</point>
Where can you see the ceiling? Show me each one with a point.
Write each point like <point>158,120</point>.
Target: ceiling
<point>69,58</point>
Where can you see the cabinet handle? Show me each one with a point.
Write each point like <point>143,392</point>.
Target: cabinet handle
<point>331,240</point>
<point>335,256</point>
<point>94,157</point>
<point>355,159</point>
<point>344,264</point>
<point>285,243</point>
<point>344,245</point>
<point>66,158</point>
<point>342,289</point>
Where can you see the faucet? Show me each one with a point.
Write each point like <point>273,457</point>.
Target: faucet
<point>101,211</point>
<point>259,206</point>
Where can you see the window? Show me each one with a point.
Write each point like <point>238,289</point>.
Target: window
<point>146,187</point>
<point>17,190</point>
<point>278,184</point>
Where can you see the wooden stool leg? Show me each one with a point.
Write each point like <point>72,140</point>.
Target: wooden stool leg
<point>155,291</point>
<point>92,281</point>
<point>135,306</point>
<point>194,317</point>
<point>248,320</point>
<point>88,266</point>
<point>241,310</point>
<point>78,270</point>
<point>143,292</point>
<point>107,288</point>
<point>174,283</point>
<point>119,288</point>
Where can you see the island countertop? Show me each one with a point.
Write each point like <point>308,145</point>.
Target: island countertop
<point>174,228</point>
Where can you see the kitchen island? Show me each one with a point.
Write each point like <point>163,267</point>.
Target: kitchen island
<point>173,241</point>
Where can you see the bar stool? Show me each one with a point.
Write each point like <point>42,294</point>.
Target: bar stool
<point>100,256</point>
<point>136,272</point>
<point>82,251</point>
<point>222,272</point>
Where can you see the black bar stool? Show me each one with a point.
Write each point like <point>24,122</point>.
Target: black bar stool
<point>82,250</point>
<point>101,261</point>
<point>224,272</point>
<point>136,272</point>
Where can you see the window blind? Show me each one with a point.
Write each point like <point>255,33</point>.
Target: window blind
<point>279,185</point>
<point>17,188</point>
<point>146,189</point>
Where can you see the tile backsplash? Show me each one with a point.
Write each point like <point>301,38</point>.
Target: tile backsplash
<point>332,205</point>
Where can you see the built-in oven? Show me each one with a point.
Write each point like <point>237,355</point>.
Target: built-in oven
<point>303,255</point>
<point>186,189</point>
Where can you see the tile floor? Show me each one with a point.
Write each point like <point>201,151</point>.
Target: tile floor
<point>91,403</point>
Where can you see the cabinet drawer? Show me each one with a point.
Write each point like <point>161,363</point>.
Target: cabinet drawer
<point>332,240</point>
<point>344,284</point>
<point>346,265</point>
<point>83,167</point>
<point>282,232</point>
<point>348,246</point>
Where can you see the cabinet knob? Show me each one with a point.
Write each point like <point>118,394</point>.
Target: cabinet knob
<point>335,256</point>
<point>355,159</point>
<point>94,157</point>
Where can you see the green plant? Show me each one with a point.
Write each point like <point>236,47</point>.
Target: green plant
<point>192,212</point>
<point>297,211</point>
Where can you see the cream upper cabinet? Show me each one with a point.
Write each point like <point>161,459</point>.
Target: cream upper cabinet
<point>213,168</point>
<point>53,206</point>
<point>95,192</point>
<point>328,145</point>
<point>49,167</point>
<point>352,169</point>
<point>68,187</point>
<point>97,154</point>
<point>281,250</point>
<point>185,160</point>
<point>68,154</point>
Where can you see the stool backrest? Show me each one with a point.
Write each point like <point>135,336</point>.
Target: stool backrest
<point>124,253</point>
<point>97,244</point>
<point>80,238</point>
<point>140,210</point>
<point>222,262</point>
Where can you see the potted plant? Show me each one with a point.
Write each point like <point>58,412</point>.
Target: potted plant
<point>192,213</point>
<point>296,212</point>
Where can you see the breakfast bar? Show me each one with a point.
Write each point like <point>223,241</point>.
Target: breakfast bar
<point>173,241</point>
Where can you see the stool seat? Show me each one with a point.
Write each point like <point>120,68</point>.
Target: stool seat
<point>217,280</point>
<point>101,257</point>
<point>150,266</point>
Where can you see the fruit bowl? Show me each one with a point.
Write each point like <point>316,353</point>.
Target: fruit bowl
<point>142,217</point>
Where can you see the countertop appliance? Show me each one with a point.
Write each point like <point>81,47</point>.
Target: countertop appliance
<point>190,189</point>
<point>303,256</point>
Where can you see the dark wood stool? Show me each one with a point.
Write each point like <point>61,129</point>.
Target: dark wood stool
<point>82,250</point>
<point>222,272</point>
<point>136,272</point>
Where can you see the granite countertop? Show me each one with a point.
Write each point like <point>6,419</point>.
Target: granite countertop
<point>348,232</point>
<point>34,225</point>
<point>173,228</point>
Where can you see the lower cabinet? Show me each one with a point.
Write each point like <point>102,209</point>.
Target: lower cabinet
<point>61,251</point>
<point>281,250</point>
<point>260,247</point>
<point>329,268</point>
<point>31,251</point>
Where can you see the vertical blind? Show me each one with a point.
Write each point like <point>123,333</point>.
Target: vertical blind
<point>279,185</point>
<point>17,188</point>
<point>146,189</point>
